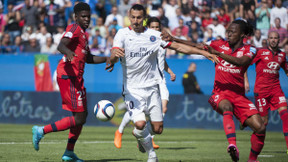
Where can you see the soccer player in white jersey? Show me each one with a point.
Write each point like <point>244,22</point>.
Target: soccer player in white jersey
<point>152,23</point>
<point>137,48</point>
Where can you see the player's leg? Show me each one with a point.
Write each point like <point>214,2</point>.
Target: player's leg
<point>225,107</point>
<point>284,117</point>
<point>143,137</point>
<point>119,132</point>
<point>74,133</point>
<point>257,138</point>
<point>149,127</point>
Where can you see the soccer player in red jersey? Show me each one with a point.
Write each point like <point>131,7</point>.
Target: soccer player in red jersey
<point>228,96</point>
<point>74,46</point>
<point>267,90</point>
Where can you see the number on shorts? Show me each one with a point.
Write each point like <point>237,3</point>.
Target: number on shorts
<point>81,94</point>
<point>261,101</point>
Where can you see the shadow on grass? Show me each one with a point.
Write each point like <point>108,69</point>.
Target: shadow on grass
<point>111,160</point>
<point>177,148</point>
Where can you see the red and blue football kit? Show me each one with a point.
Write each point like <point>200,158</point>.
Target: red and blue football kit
<point>70,73</point>
<point>267,90</point>
<point>229,81</point>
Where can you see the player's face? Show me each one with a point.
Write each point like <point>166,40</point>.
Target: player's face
<point>83,19</point>
<point>233,34</point>
<point>136,18</point>
<point>273,40</point>
<point>155,26</point>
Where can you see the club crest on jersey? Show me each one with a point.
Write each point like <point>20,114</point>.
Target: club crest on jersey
<point>152,38</point>
<point>279,59</point>
<point>239,54</point>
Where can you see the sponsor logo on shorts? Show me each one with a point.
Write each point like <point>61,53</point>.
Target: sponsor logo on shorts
<point>252,107</point>
<point>261,109</point>
<point>282,99</point>
<point>216,98</point>
<point>80,103</point>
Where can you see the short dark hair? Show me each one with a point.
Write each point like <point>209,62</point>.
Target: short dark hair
<point>139,8</point>
<point>245,26</point>
<point>81,6</point>
<point>153,19</point>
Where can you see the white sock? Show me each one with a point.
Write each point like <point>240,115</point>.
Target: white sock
<point>125,121</point>
<point>145,139</point>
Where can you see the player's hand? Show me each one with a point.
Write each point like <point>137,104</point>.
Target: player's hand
<point>166,36</point>
<point>70,56</point>
<point>109,66</point>
<point>119,52</point>
<point>172,77</point>
<point>211,50</point>
<point>211,57</point>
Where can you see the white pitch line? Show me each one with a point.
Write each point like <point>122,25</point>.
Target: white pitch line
<point>266,156</point>
<point>87,142</point>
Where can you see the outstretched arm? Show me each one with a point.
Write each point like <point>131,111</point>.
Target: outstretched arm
<point>192,50</point>
<point>169,38</point>
<point>98,60</point>
<point>241,61</point>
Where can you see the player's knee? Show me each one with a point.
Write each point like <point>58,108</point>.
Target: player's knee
<point>261,128</point>
<point>79,122</point>
<point>140,125</point>
<point>158,129</point>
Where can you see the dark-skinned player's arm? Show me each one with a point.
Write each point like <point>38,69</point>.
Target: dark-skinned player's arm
<point>188,50</point>
<point>238,61</point>
<point>91,59</point>
<point>62,47</point>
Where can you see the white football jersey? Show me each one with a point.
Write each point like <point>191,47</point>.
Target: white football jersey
<point>140,65</point>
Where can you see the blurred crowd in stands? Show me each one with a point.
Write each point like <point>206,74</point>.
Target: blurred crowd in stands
<point>29,26</point>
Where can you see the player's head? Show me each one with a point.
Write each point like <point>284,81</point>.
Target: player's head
<point>82,14</point>
<point>136,16</point>
<point>154,23</point>
<point>273,40</point>
<point>237,31</point>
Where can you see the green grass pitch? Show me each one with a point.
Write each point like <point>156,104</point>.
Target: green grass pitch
<point>96,145</point>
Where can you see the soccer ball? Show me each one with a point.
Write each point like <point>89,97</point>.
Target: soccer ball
<point>104,110</point>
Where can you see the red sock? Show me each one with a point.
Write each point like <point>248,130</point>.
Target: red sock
<point>73,136</point>
<point>60,125</point>
<point>257,143</point>
<point>229,127</point>
<point>284,118</point>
